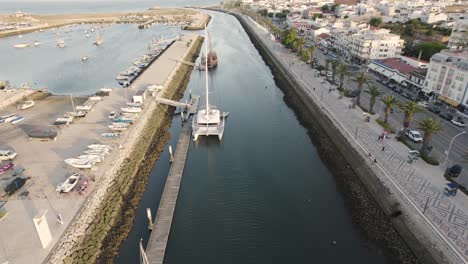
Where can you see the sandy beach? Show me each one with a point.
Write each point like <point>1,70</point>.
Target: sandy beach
<point>44,164</point>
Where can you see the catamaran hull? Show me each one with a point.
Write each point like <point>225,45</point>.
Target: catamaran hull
<point>198,130</point>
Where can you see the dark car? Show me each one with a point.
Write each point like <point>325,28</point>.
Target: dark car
<point>454,171</point>
<point>434,110</point>
<point>446,116</point>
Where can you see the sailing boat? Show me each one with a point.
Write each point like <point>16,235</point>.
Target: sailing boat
<point>75,113</point>
<point>209,59</point>
<point>208,121</point>
<point>98,39</point>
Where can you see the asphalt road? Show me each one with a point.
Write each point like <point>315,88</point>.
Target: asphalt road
<point>440,141</point>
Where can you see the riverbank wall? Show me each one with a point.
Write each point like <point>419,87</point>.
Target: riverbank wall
<point>384,218</point>
<point>105,219</point>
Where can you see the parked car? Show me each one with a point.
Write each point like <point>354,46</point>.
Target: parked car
<point>458,122</point>
<point>7,155</point>
<point>112,115</point>
<point>453,171</point>
<point>414,135</point>
<point>423,104</point>
<point>446,116</point>
<point>434,110</point>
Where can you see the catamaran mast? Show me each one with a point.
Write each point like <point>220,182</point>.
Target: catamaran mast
<point>206,72</point>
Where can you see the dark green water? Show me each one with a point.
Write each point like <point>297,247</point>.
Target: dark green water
<point>262,195</point>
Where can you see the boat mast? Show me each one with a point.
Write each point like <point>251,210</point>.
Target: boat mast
<point>206,72</point>
<point>73,105</point>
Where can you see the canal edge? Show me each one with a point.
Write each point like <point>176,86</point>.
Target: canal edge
<point>87,248</point>
<point>417,237</point>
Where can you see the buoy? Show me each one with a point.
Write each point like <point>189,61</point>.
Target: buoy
<point>333,242</point>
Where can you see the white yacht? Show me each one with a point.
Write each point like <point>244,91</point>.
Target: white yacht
<point>208,121</point>
<point>61,43</point>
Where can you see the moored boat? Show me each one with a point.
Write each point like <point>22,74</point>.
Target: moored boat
<point>21,45</point>
<point>131,109</point>
<point>68,184</point>
<point>80,163</point>
<point>17,119</point>
<point>26,104</point>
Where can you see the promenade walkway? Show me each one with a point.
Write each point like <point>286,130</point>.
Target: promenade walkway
<point>416,184</point>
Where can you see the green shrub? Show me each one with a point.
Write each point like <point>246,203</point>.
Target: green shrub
<point>385,125</point>
<point>430,160</point>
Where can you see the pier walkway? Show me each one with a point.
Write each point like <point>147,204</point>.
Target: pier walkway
<point>162,226</point>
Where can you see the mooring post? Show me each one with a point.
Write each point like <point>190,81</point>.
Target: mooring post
<point>182,116</point>
<point>171,158</point>
<point>190,93</point>
<point>150,219</point>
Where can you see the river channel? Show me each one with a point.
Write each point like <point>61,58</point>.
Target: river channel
<point>262,195</point>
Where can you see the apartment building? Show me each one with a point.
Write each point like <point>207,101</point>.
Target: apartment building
<point>447,76</point>
<point>374,44</point>
<point>459,37</point>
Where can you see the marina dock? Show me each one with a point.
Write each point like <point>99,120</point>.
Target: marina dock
<point>162,226</point>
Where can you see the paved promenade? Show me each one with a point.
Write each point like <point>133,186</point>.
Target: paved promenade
<point>415,184</point>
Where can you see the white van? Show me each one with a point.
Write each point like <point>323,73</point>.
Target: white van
<point>7,154</point>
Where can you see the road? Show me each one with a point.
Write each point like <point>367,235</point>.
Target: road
<point>440,141</point>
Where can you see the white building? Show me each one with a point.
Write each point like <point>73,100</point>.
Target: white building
<point>374,44</point>
<point>459,37</point>
<point>447,76</point>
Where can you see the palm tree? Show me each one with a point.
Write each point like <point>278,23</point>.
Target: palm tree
<point>343,72</point>
<point>389,102</point>
<point>409,108</point>
<point>374,92</point>
<point>334,64</point>
<point>360,79</point>
<point>299,43</point>
<point>429,127</point>
<point>312,50</point>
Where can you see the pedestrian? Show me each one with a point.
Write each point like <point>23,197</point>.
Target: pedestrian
<point>375,160</point>
<point>313,88</point>
<point>370,154</point>
<point>379,138</point>
<point>329,90</point>
<point>383,148</point>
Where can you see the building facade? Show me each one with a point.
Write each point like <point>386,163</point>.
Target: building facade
<point>375,44</point>
<point>459,37</point>
<point>447,76</point>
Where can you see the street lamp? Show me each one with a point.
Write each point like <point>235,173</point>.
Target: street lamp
<point>450,146</point>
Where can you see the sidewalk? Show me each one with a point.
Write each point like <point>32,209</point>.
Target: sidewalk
<point>415,183</point>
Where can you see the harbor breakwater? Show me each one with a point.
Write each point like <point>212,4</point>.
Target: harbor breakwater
<point>106,217</point>
<point>370,202</point>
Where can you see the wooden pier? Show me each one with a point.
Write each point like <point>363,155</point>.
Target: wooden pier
<point>162,225</point>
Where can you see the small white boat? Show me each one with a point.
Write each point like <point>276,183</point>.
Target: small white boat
<point>63,121</point>
<point>106,90</point>
<point>121,77</point>
<point>9,119</point>
<point>95,98</point>
<point>20,36</point>
<point>84,108</point>
<point>85,58</point>
<point>98,41</point>
<point>25,86</point>
<point>110,135</point>
<point>118,126</point>
<point>91,157</point>
<point>61,43</point>
<point>100,152</point>
<point>99,146</point>
<point>17,119</point>
<point>21,45</point>
<point>87,35</point>
<point>80,163</point>
<point>76,114</point>
<point>26,104</point>
<point>36,43</point>
<point>130,109</point>
<point>68,184</point>
<point>132,104</point>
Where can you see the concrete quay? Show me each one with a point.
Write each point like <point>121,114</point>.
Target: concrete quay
<point>157,243</point>
<point>44,163</point>
<point>435,226</point>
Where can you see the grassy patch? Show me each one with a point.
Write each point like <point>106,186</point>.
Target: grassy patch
<point>387,126</point>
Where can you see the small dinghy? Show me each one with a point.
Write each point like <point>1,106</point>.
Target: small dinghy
<point>84,108</point>
<point>17,119</point>
<point>6,167</point>
<point>15,185</point>
<point>110,135</point>
<point>99,146</point>
<point>91,157</point>
<point>130,109</point>
<point>119,126</point>
<point>26,104</point>
<point>68,184</point>
<point>80,163</point>
<point>100,152</point>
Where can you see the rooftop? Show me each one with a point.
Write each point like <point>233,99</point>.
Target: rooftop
<point>396,64</point>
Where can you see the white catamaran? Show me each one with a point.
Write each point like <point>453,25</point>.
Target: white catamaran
<point>208,121</point>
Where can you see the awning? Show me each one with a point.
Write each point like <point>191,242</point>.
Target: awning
<point>449,101</point>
